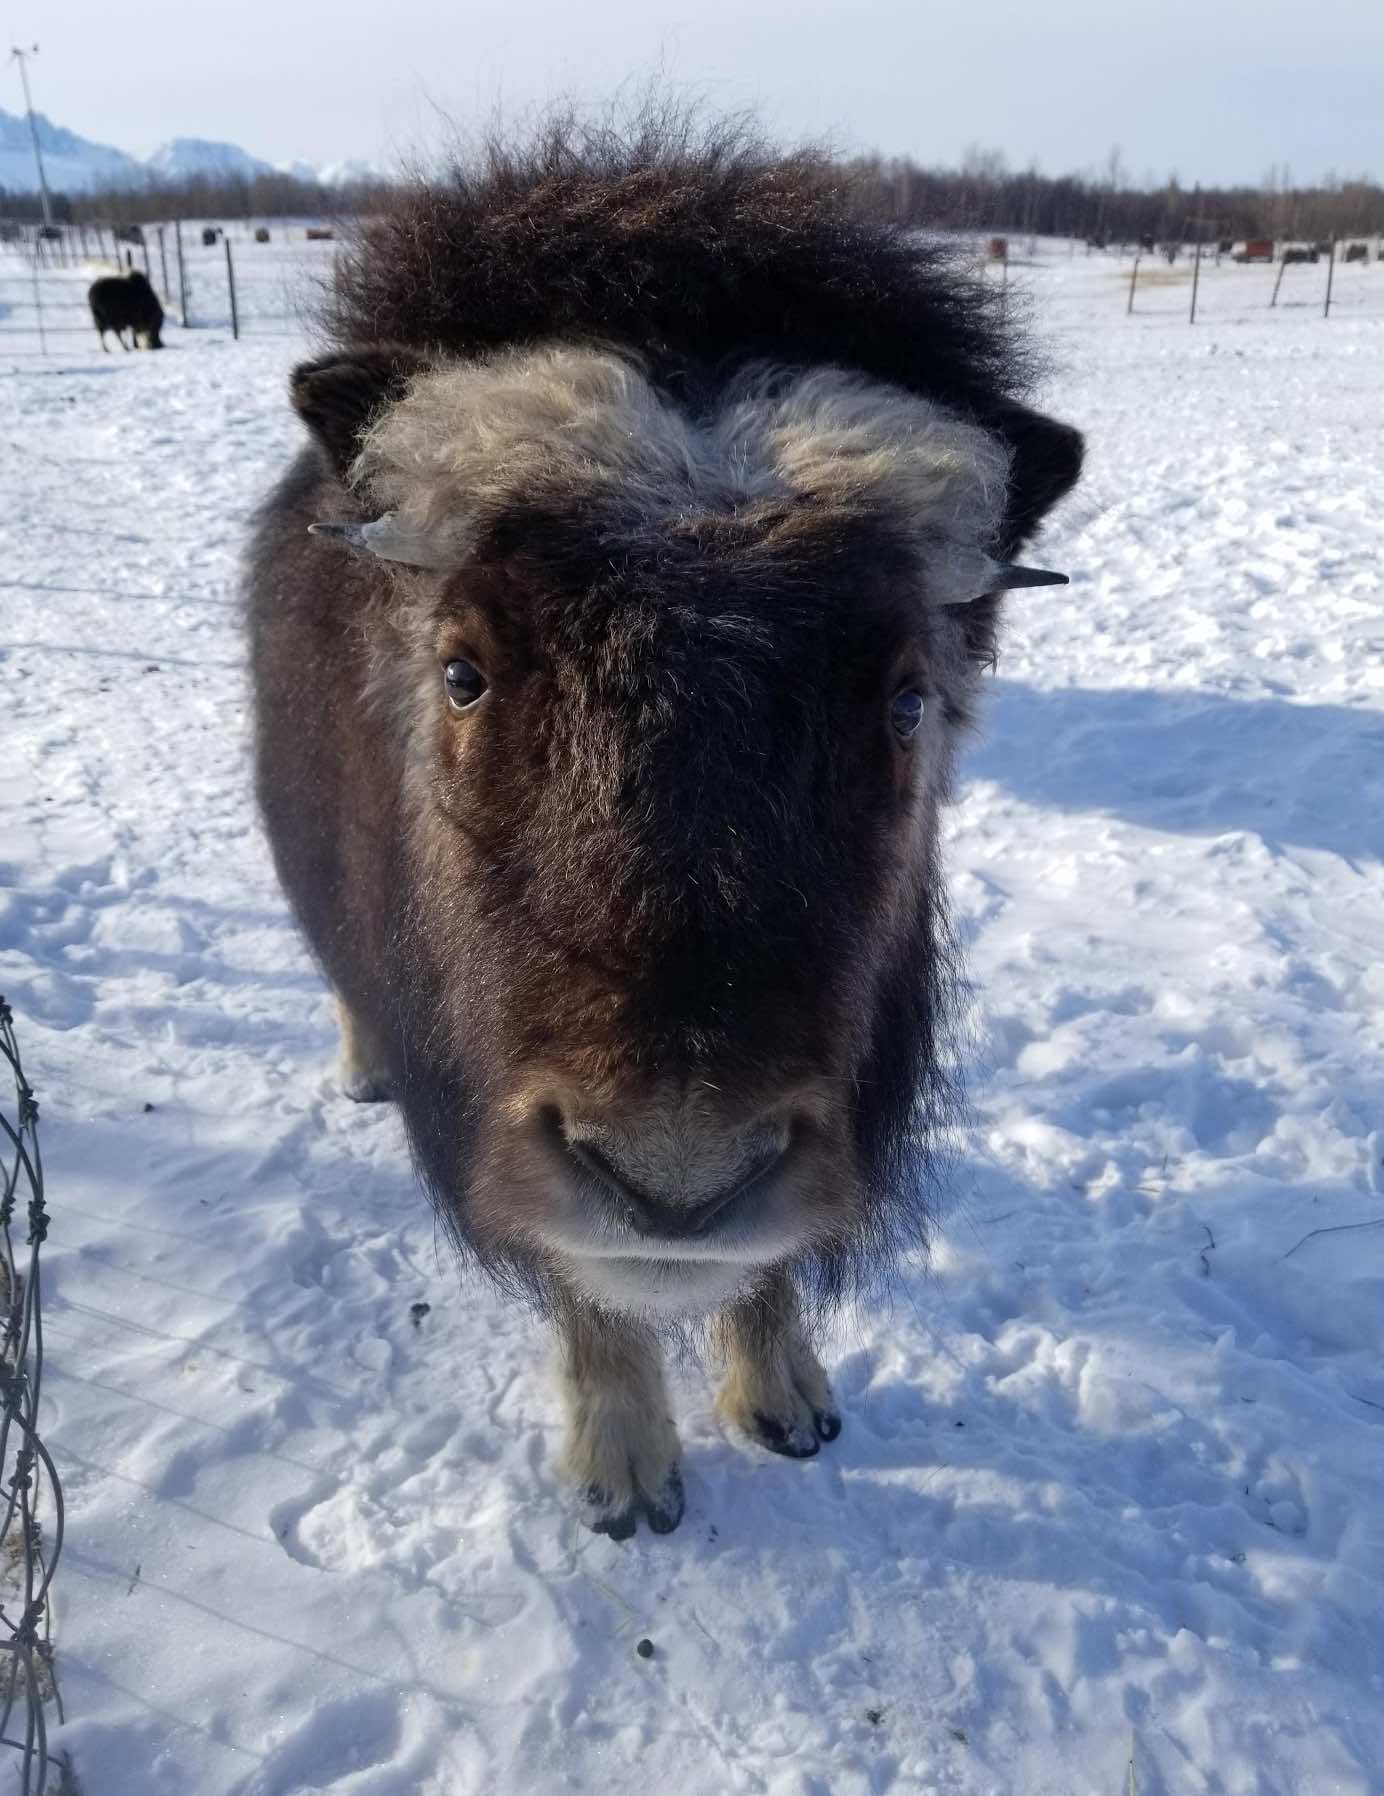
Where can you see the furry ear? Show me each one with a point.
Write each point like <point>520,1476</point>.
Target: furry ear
<point>1045,467</point>
<point>339,396</point>
<point>1045,464</point>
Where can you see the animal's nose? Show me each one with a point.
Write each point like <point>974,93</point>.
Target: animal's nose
<point>659,1216</point>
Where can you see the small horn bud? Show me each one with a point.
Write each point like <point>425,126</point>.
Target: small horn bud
<point>350,536</point>
<point>1010,575</point>
<point>386,539</point>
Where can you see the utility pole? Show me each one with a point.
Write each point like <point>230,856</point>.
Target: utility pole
<point>20,56</point>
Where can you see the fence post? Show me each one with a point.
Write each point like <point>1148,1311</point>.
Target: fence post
<point>182,273</point>
<point>1330,270</point>
<point>1278,281</point>
<point>1133,277</point>
<point>230,282</point>
<point>144,245</point>
<point>163,262</point>
<point>1196,275</point>
<point>38,308</point>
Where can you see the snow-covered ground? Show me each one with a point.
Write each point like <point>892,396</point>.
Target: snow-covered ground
<point>1110,1480</point>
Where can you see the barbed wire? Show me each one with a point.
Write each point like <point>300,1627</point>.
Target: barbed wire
<point>28,1481</point>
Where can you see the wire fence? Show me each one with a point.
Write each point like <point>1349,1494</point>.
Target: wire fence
<point>248,279</point>
<point>29,1489</point>
<point>260,278</point>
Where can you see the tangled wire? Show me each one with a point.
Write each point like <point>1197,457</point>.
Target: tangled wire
<point>28,1481</point>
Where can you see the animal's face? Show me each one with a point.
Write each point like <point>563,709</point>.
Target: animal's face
<point>678,695</point>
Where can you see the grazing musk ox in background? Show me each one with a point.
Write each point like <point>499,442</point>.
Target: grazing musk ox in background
<point>611,643</point>
<point>126,302</point>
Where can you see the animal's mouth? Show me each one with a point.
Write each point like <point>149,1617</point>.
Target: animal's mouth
<point>660,1222</point>
<point>602,1214</point>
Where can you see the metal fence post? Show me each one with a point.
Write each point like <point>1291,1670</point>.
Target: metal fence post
<point>144,245</point>
<point>1196,275</point>
<point>163,262</point>
<point>1133,277</point>
<point>1330,270</point>
<point>230,282</point>
<point>182,272</point>
<point>38,308</point>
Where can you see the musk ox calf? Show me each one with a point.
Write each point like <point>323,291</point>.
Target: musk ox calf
<point>126,302</point>
<point>612,639</point>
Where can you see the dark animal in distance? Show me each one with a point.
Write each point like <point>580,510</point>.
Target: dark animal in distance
<point>1357,252</point>
<point>126,302</point>
<point>319,234</point>
<point>210,233</point>
<point>612,640</point>
<point>262,234</point>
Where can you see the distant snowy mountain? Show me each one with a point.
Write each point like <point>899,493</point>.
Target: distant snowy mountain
<point>339,174</point>
<point>74,164</point>
<point>184,158</point>
<point>71,163</point>
<point>332,174</point>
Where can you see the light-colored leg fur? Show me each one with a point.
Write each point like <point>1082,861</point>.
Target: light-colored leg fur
<point>774,1386</point>
<point>363,1074</point>
<point>622,1448</point>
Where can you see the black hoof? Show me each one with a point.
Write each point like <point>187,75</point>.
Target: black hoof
<point>791,1439</point>
<point>664,1512</point>
<point>618,1525</point>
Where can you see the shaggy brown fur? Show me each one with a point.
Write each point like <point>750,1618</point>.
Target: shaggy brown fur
<point>654,931</point>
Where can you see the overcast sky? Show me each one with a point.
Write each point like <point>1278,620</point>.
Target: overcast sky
<point>1216,90</point>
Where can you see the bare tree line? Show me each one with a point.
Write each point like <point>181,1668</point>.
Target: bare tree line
<point>982,193</point>
<point>269,195</point>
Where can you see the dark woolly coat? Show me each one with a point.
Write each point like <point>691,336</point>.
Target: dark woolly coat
<point>698,255</point>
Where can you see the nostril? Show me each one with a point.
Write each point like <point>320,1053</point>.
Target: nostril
<point>650,1216</point>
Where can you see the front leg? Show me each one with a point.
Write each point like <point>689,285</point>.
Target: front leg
<point>621,1450</point>
<point>774,1387</point>
<point>364,1068</point>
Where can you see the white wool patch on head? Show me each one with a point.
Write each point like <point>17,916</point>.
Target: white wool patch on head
<point>470,440</point>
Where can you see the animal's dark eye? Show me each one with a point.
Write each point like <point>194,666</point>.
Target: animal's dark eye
<point>906,713</point>
<point>465,683</point>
